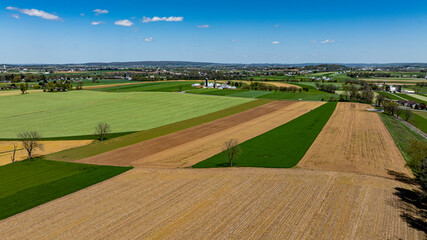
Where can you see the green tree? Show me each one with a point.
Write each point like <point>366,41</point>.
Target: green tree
<point>23,87</point>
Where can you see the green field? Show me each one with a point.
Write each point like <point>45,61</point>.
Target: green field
<point>87,82</point>
<point>401,134</point>
<point>410,98</point>
<point>101,147</point>
<point>420,97</point>
<point>391,96</point>
<point>420,121</point>
<point>312,95</point>
<point>76,113</point>
<point>278,78</point>
<point>30,183</point>
<point>170,86</point>
<point>282,147</point>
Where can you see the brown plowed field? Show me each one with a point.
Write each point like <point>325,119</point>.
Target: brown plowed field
<point>354,140</point>
<point>187,147</point>
<point>233,203</point>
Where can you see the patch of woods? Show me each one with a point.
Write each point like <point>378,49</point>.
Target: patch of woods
<point>352,93</point>
<point>54,86</point>
<point>330,88</point>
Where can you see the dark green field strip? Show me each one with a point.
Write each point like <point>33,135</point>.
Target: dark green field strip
<point>31,183</point>
<point>126,88</point>
<point>298,96</point>
<point>105,146</point>
<point>154,86</point>
<point>282,147</point>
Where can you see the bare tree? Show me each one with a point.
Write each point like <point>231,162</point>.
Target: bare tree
<point>232,149</point>
<point>30,142</point>
<point>101,130</point>
<point>13,154</point>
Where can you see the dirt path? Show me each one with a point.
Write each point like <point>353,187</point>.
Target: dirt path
<point>187,147</point>
<point>354,140</point>
<point>6,149</point>
<point>236,203</point>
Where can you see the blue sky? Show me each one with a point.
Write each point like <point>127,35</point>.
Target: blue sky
<point>284,31</point>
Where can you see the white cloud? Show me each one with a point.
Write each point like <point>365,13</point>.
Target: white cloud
<point>97,23</point>
<point>124,22</point>
<point>82,14</point>
<point>203,26</point>
<point>328,41</point>
<point>234,40</point>
<point>276,42</point>
<point>100,11</point>
<point>162,19</point>
<point>149,39</point>
<point>36,13</point>
<point>277,25</point>
<point>15,16</point>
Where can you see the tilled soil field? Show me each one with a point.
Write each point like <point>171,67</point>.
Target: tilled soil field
<point>236,203</point>
<point>354,140</point>
<point>187,147</point>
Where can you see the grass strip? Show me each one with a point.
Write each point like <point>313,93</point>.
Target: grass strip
<point>105,146</point>
<point>410,98</point>
<point>401,134</point>
<point>282,147</point>
<point>170,86</point>
<point>52,180</point>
